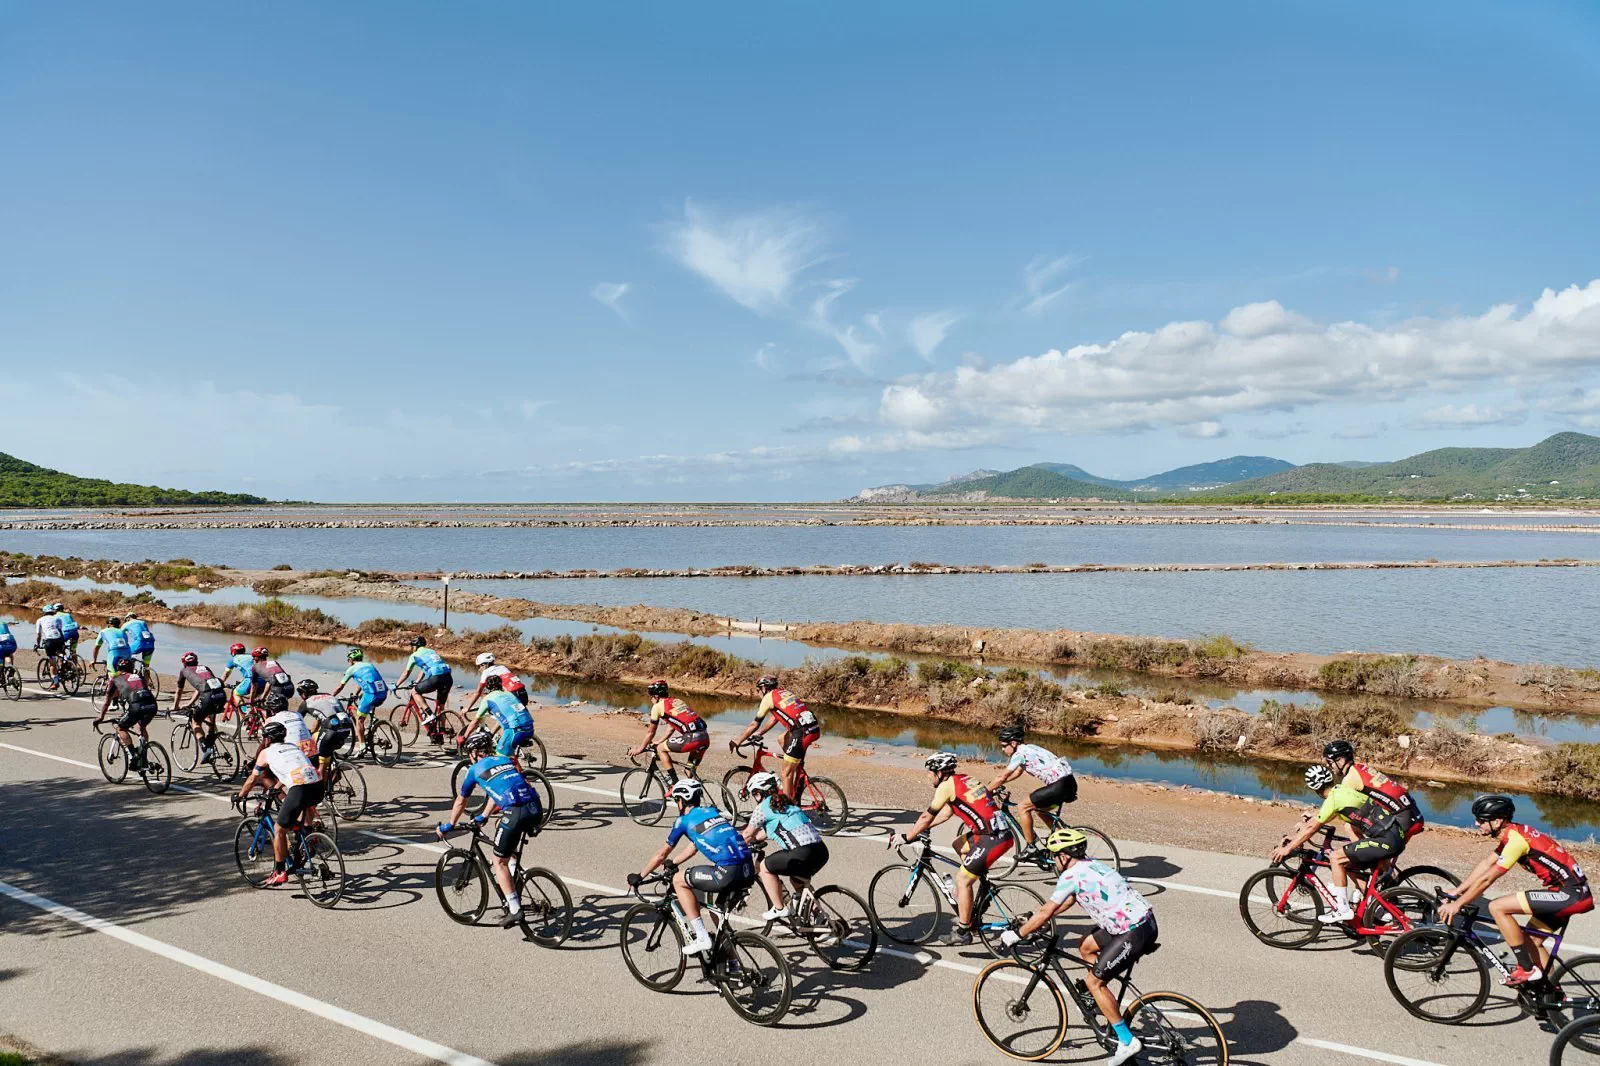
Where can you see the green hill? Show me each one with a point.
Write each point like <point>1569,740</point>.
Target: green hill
<point>22,484</point>
<point>1037,483</point>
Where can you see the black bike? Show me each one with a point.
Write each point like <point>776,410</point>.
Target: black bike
<point>535,778</point>
<point>908,899</point>
<point>1578,1044</point>
<point>147,758</point>
<point>464,877</point>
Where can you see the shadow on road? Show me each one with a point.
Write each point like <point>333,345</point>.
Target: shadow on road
<point>1254,1027</point>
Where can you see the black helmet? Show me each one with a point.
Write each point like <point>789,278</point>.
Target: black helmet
<point>493,683</point>
<point>274,732</point>
<point>479,740</point>
<point>767,683</point>
<point>658,689</point>
<point>276,702</point>
<point>307,688</point>
<point>1012,734</point>
<point>123,665</point>
<point>1338,749</point>
<point>113,621</point>
<point>1488,808</point>
<point>419,642</point>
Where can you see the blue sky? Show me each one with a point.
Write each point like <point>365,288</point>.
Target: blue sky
<point>614,251</point>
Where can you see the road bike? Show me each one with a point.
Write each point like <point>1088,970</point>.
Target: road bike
<point>1021,1010</point>
<point>243,720</point>
<point>148,675</point>
<point>535,778</point>
<point>226,759</point>
<point>644,788</point>
<point>1442,974</point>
<point>746,967</point>
<point>148,759</point>
<point>67,673</point>
<point>908,900</point>
<point>1281,905</point>
<point>314,857</point>
<point>1578,1043</point>
<point>835,921</point>
<point>10,681</point>
<point>347,789</point>
<point>821,799</point>
<point>382,742</point>
<point>416,717</point>
<point>1101,849</point>
<point>464,877</point>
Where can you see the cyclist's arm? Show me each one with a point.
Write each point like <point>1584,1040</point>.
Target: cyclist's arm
<point>477,694</point>
<point>649,738</point>
<point>1042,916</point>
<point>657,859</point>
<point>177,690</point>
<point>1008,774</point>
<point>105,704</point>
<point>410,661</point>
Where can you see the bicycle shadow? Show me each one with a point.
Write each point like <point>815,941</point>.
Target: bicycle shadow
<point>1254,1027</point>
<point>1150,868</point>
<point>376,889</point>
<point>589,1053</point>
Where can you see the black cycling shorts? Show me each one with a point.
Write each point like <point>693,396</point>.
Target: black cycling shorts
<point>299,799</point>
<point>1121,951</point>
<point>805,861</point>
<point>1385,843</point>
<point>516,823</point>
<point>436,685</point>
<point>329,741</point>
<point>207,704</point>
<point>985,849</point>
<point>1055,793</point>
<point>1552,909</point>
<point>720,882</point>
<point>138,714</point>
<point>54,646</point>
<point>796,741</point>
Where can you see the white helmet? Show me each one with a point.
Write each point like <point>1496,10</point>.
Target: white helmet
<point>940,761</point>
<point>486,659</point>
<point>764,782</point>
<point>1318,777</point>
<point>688,790</point>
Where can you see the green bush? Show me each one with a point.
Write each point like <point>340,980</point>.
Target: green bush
<point>1571,770</point>
<point>1219,646</point>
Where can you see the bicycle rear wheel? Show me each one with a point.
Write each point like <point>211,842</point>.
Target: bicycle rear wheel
<point>534,754</point>
<point>905,904</point>
<point>824,802</point>
<point>1020,1011</point>
<point>451,725</point>
<point>652,946</point>
<point>1176,1031</point>
<point>252,852</point>
<point>13,683</point>
<point>1101,849</point>
<point>1280,907</point>
<point>1407,909</point>
<point>1013,903</point>
<point>644,796</point>
<point>185,748</point>
<point>1436,975</point>
<point>72,676</point>
<point>546,917</point>
<point>157,768</point>
<point>735,796</point>
<point>1575,988</point>
<point>753,976</point>
<point>386,744</point>
<point>547,795</point>
<point>843,932</point>
<point>321,869</point>
<point>113,758</point>
<point>152,680</point>
<point>1427,878</point>
<point>97,690</point>
<point>349,791</point>
<point>462,885</point>
<point>1578,1044</point>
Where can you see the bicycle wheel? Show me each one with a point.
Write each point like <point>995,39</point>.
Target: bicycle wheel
<point>407,722</point>
<point>644,796</point>
<point>157,768</point>
<point>534,754</point>
<point>13,683</point>
<point>476,801</point>
<point>97,690</point>
<point>113,758</point>
<point>1101,849</point>
<point>735,797</point>
<point>1426,878</point>
<point>1006,903</point>
<point>1006,865</point>
<point>1578,1043</point>
<point>1575,988</point>
<point>652,946</point>
<point>321,869</point>
<point>1406,909</point>
<point>1280,907</point>
<point>185,748</point>
<point>1020,1010</point>
<point>226,760</point>
<point>72,676</point>
<point>41,670</point>
<point>451,725</point>
<point>546,906</point>
<point>547,795</point>
<point>462,885</point>
<point>1436,975</point>
<point>824,802</point>
<point>1176,1030</point>
<point>152,680</point>
<point>905,904</point>
<point>753,976</point>
<point>842,930</point>
<point>252,851</point>
<point>349,791</point>
<point>386,744</point>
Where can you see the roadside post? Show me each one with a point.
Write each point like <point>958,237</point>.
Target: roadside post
<point>446,579</point>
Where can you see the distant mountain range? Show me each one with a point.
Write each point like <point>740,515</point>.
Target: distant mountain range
<point>1563,466</point>
<point>23,484</point>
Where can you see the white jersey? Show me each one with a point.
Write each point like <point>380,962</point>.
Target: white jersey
<point>294,725</point>
<point>508,681</point>
<point>1103,894</point>
<point>288,764</point>
<point>1041,763</point>
<point>48,627</point>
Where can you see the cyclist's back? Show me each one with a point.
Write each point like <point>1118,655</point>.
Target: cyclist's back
<point>8,641</point>
<point>511,714</point>
<point>1388,799</point>
<point>1566,888</point>
<point>269,678</point>
<point>1104,895</point>
<point>713,836</point>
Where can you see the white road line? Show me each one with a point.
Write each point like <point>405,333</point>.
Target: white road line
<point>338,1015</point>
<point>1361,1052</point>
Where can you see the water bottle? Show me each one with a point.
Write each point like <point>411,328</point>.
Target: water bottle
<point>949,885</point>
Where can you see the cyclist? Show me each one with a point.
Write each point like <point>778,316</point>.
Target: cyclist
<point>280,763</point>
<point>8,644</point>
<point>509,682</point>
<point>520,811</point>
<point>687,734</point>
<point>239,662</point>
<point>1377,837</point>
<point>800,728</point>
<point>709,832</point>
<point>1059,784</point>
<point>983,839</point>
<point>141,642</point>
<point>138,709</point>
<point>70,630</point>
<point>48,641</point>
<point>516,724</point>
<point>295,730</point>
<point>374,690</point>
<point>331,722</point>
<point>209,699</point>
<point>1566,890</point>
<point>802,853</point>
<point>269,681</point>
<point>1390,796</point>
<point>433,679</point>
<point>1125,926</point>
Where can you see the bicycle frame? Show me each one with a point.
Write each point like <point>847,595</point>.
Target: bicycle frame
<point>923,866</point>
<point>667,903</point>
<point>1313,859</point>
<point>1050,960</point>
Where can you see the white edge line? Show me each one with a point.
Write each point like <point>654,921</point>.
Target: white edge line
<point>1361,1052</point>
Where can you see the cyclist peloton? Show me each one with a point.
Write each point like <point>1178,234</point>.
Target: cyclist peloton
<point>1059,784</point>
<point>332,725</point>
<point>281,763</point>
<point>48,641</point>
<point>1125,926</point>
<point>802,853</point>
<point>209,699</point>
<point>983,839</point>
<point>141,642</point>
<point>1377,837</point>
<point>70,630</point>
<point>687,734</point>
<point>520,810</point>
<point>1566,890</point>
<point>433,679</point>
<point>800,728</point>
<point>516,724</point>
<point>139,709</point>
<point>374,690</point>
<point>239,662</point>
<point>703,828</point>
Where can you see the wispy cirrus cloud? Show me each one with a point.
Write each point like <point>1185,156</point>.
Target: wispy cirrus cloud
<point>1043,284</point>
<point>610,293</point>
<point>1454,416</point>
<point>927,331</point>
<point>754,258</point>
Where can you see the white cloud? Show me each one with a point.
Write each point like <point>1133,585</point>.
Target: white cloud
<point>611,293</point>
<point>1451,416</point>
<point>766,357</point>
<point>1203,430</point>
<point>928,331</point>
<point>754,259</point>
<point>1262,320</point>
<point>1042,284</point>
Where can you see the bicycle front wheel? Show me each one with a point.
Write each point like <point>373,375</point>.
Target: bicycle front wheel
<point>644,796</point>
<point>547,795</point>
<point>157,768</point>
<point>1176,1031</point>
<point>753,976</point>
<point>407,722</point>
<point>842,930</point>
<point>1007,903</point>
<point>905,904</point>
<point>349,792</point>
<point>252,852</point>
<point>386,744</point>
<point>824,802</point>
<point>462,885</point>
<point>546,917</point>
<point>1020,1010</point>
<point>652,946</point>
<point>1578,1043</point>
<point>113,758</point>
<point>321,869</point>
<point>1436,975</point>
<point>1280,907</point>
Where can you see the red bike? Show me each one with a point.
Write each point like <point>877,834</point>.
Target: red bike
<point>821,799</point>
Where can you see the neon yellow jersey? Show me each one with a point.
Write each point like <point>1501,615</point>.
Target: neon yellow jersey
<point>1340,803</point>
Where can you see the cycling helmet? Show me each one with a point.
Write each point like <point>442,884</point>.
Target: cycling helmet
<point>493,683</point>
<point>940,762</point>
<point>114,622</point>
<point>354,655</point>
<point>276,702</point>
<point>48,608</point>
<point>1338,749</point>
<point>479,740</point>
<point>274,732</point>
<point>190,659</point>
<point>123,665</point>
<point>1318,777</point>
<point>419,642</point>
<point>658,689</point>
<point>258,653</point>
<point>767,683</point>
<point>1012,734</point>
<point>131,614</point>
<point>1488,808</point>
<point>486,659</point>
<point>763,784</point>
<point>236,649</point>
<point>1068,841</point>
<point>688,790</point>
<point>307,688</point>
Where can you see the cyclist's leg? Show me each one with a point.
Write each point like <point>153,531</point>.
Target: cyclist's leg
<point>664,757</point>
<point>771,883</point>
<point>1106,961</point>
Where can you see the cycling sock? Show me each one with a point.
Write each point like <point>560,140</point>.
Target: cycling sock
<point>698,927</point>
<point>1524,954</point>
<point>279,867</point>
<point>514,904</point>
<point>1124,1034</point>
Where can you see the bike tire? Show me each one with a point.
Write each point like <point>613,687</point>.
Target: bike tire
<point>350,791</point>
<point>152,680</point>
<point>157,768</point>
<point>476,801</point>
<point>1005,997</point>
<point>847,936</point>
<point>97,690</point>
<point>547,795</point>
<point>643,796</point>
<point>227,760</point>
<point>1426,878</point>
<point>1418,964</point>
<point>13,683</point>
<point>1280,908</point>
<point>387,746</point>
<point>1415,907</point>
<point>253,859</point>
<point>754,978</point>
<point>407,722</point>
<point>1578,1043</point>
<point>1101,847</point>
<point>908,911</point>
<point>736,796</point>
<point>1577,979</point>
<point>41,670</point>
<point>1176,1031</point>
<point>113,758</point>
<point>72,676</point>
<point>451,725</point>
<point>1007,864</point>
<point>462,885</point>
<point>546,917</point>
<point>321,870</point>
<point>1014,903</point>
<point>185,748</point>
<point>652,946</point>
<point>824,803</point>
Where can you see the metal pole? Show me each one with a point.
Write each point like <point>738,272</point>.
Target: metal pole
<point>446,601</point>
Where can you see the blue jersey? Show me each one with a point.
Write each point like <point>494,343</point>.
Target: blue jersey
<point>69,625</point>
<point>242,665</point>
<point>8,643</point>
<point>713,836</point>
<point>428,661</point>
<point>366,675</point>
<point>511,714</point>
<point>788,829</point>
<point>501,779</point>
<point>140,639</point>
<point>115,642</point>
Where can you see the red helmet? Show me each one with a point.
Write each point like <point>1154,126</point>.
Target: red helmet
<point>190,658</point>
<point>236,649</point>
<point>258,653</point>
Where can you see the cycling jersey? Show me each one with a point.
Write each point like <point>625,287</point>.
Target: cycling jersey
<point>1347,805</point>
<point>130,689</point>
<point>366,676</point>
<point>207,686</point>
<point>1040,762</point>
<point>504,783</point>
<point>294,727</point>
<point>713,836</point>
<point>1103,894</point>
<point>48,627</point>
<point>330,712</point>
<point>788,711</point>
<point>69,625</point>
<point>679,716</point>
<point>1540,855</point>
<point>787,829</point>
<point>140,639</point>
<point>244,666</point>
<point>428,662</point>
<point>1388,798</point>
<point>509,682</point>
<point>8,643</point>
<point>115,642</point>
<point>511,715</point>
<point>971,803</point>
<point>288,764</point>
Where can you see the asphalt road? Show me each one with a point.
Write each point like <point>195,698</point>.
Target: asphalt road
<point>128,938</point>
